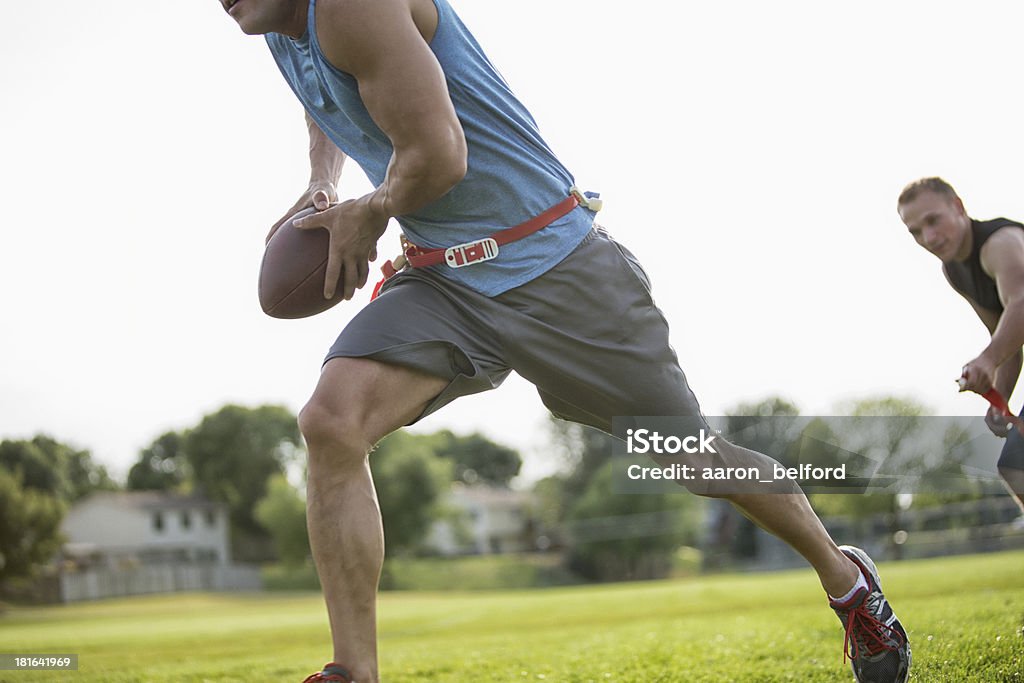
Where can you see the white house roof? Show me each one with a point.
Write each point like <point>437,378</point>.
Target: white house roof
<point>150,500</point>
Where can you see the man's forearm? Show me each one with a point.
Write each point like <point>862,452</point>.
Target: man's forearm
<point>325,159</point>
<point>1007,374</point>
<point>417,177</point>
<point>1008,337</point>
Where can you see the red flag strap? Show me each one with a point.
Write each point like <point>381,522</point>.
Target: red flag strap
<point>998,401</point>
<point>484,249</point>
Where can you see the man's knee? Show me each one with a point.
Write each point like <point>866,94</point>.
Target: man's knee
<point>332,428</point>
<point>358,402</point>
<point>334,420</point>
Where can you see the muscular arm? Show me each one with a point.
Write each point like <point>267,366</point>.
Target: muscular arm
<point>1002,258</point>
<point>381,43</point>
<point>1009,370</point>
<point>404,90</point>
<point>325,159</point>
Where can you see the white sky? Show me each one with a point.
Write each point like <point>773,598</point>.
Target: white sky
<point>749,153</point>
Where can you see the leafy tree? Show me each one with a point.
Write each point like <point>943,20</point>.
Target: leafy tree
<point>583,450</point>
<point>478,459</point>
<point>39,479</point>
<point>29,527</point>
<point>885,432</point>
<point>889,433</point>
<point>610,536</point>
<point>49,466</point>
<point>283,513</point>
<point>766,426</point>
<point>958,474</point>
<point>232,453</point>
<point>619,537</point>
<point>410,479</point>
<point>162,466</point>
<point>548,508</point>
<point>35,468</point>
<point>771,406</point>
<point>85,475</point>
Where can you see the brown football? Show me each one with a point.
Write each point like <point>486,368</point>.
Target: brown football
<point>293,270</point>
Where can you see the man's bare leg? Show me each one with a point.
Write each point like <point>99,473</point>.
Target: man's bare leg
<point>790,517</point>
<point>881,649</point>
<point>356,403</point>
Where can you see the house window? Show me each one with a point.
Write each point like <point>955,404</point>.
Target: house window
<point>158,521</point>
<point>186,520</point>
<point>211,518</point>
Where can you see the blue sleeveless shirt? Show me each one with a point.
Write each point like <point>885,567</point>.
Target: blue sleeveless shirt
<point>512,174</point>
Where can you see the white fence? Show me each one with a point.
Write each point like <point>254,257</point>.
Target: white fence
<point>102,582</point>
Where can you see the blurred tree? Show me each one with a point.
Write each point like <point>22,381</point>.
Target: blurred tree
<point>162,466</point>
<point>410,479</point>
<point>961,470</point>
<point>766,426</point>
<point>609,536</point>
<point>47,465</point>
<point>84,475</point>
<point>548,508</point>
<point>35,468</point>
<point>887,434</point>
<point>583,451</point>
<point>232,454</point>
<point>884,432</point>
<point>477,459</point>
<point>29,527</point>
<point>618,537</point>
<point>770,406</point>
<point>39,479</point>
<point>283,513</point>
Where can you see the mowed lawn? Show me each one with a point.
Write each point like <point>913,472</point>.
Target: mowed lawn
<point>964,616</point>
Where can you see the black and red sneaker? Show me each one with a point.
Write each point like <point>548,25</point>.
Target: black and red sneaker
<point>875,642</point>
<point>331,673</point>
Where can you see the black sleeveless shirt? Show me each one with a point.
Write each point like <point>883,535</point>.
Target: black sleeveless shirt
<point>968,277</point>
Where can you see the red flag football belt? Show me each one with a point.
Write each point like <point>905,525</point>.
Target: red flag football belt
<point>998,401</point>
<point>484,249</point>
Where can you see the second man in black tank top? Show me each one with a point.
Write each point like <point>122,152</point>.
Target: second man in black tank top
<point>984,262</point>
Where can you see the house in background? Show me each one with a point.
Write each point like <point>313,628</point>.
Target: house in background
<point>127,543</point>
<point>486,520</point>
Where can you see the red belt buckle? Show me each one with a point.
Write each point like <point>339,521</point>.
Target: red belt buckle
<point>471,252</point>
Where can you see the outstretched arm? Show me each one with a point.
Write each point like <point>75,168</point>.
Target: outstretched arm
<point>1006,374</point>
<point>381,43</point>
<point>1002,258</point>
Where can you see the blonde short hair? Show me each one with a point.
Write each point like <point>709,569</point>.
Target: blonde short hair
<point>935,184</point>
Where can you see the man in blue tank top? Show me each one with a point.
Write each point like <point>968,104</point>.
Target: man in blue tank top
<point>403,88</point>
<point>984,262</point>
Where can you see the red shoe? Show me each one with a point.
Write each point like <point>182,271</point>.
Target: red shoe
<point>332,673</point>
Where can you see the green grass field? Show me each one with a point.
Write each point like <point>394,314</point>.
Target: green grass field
<point>964,616</point>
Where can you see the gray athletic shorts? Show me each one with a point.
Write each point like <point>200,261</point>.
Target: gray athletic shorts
<point>1012,455</point>
<point>586,333</point>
